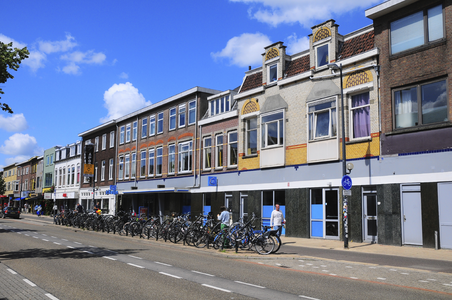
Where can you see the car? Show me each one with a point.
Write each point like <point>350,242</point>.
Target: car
<point>12,212</point>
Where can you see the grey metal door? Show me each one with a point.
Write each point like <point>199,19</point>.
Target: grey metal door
<point>411,215</point>
<point>445,214</point>
<point>370,218</point>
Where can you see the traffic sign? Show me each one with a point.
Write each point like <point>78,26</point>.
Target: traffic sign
<point>346,182</point>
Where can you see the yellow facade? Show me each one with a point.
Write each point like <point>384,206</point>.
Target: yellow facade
<point>10,179</point>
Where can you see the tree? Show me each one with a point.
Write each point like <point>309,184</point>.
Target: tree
<point>2,186</point>
<point>10,58</point>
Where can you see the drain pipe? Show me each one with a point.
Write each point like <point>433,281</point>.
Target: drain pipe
<point>436,240</point>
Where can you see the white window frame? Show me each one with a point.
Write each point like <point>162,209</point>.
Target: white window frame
<point>160,121</point>
<point>190,111</point>
<point>134,130</point>
<point>151,162</point>
<point>248,132</point>
<point>182,116</point>
<point>143,161</point>
<point>269,71</point>
<point>144,128</point>
<point>122,134</point>
<point>351,111</point>
<point>102,170</point>
<point>264,129</point>
<point>96,143</point>
<point>72,151</point>
<point>185,153</point>
<point>104,141</point>
<point>127,166</point>
<point>110,169</point>
<point>121,168</point>
<point>78,174</point>
<point>152,127</point>
<point>230,147</point>
<point>172,118</point>
<point>207,150</point>
<point>312,117</point>
<point>128,133</point>
<point>112,139</point>
<point>171,159</point>
<point>219,151</point>
<point>159,161</point>
<point>316,48</point>
<point>133,172</point>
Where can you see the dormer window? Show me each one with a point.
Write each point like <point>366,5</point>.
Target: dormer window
<point>322,54</point>
<point>273,73</point>
<point>219,105</point>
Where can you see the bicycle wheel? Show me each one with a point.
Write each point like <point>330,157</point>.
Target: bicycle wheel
<point>277,243</point>
<point>264,245</point>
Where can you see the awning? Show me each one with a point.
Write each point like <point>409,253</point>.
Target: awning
<point>35,198</point>
<point>164,190</point>
<point>47,190</point>
<point>18,199</point>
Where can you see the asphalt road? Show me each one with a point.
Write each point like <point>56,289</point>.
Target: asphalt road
<point>75,264</point>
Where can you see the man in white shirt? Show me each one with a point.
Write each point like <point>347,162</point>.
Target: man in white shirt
<point>277,220</point>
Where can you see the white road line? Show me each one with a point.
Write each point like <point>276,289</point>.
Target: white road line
<point>44,234</point>
<point>111,258</point>
<point>353,277</point>
<point>45,240</point>
<point>405,273</point>
<point>77,243</point>
<point>333,274</point>
<point>88,252</point>
<point>53,237</point>
<point>51,296</point>
<point>70,247</point>
<point>26,235</point>
<point>424,281</point>
<point>446,284</point>
<point>19,232</point>
<point>349,267</point>
<point>203,273</point>
<point>216,288</point>
<point>56,243</point>
<point>29,282</point>
<point>134,265</point>
<point>381,278</point>
<point>170,275</point>
<point>325,271</point>
<point>431,279</point>
<point>160,263</point>
<point>253,285</point>
<point>306,297</point>
<point>11,271</point>
<point>393,270</point>
<point>135,257</point>
<point>35,237</point>
<point>64,240</point>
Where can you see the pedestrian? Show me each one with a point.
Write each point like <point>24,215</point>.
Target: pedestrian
<point>38,210</point>
<point>277,220</point>
<point>224,219</point>
<point>26,207</point>
<point>55,209</point>
<point>80,208</point>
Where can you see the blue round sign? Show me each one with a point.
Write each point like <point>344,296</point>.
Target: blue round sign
<point>346,182</point>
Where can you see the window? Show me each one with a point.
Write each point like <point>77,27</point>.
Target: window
<point>102,171</point>
<point>272,73</point>
<point>95,171</point>
<point>135,131</point>
<point>143,164</point>
<point>151,162</point>
<point>110,170</point>
<point>322,120</point>
<point>417,29</point>
<point>72,151</point>
<point>47,163</point>
<point>68,175</point>
<point>251,136</point>
<point>160,123</point>
<point>232,149</point>
<point>272,129</point>
<point>96,142</point>
<point>78,174</point>
<point>158,170</point>
<point>360,116</point>
<point>219,151</point>
<point>126,166</point>
<point>207,150</point>
<point>121,167</point>
<point>121,135</point>
<point>182,115</point>
<point>421,104</point>
<point>64,176</point>
<point>219,105</point>
<point>185,156</point>
<point>172,119</point>
<point>134,165</point>
<point>322,55</point>
<point>72,174</point>
<point>192,112</point>
<point>171,159</point>
<point>51,159</point>
<point>144,128</point>
<point>112,139</point>
<point>151,125</point>
<point>79,149</point>
<point>104,141</point>
<point>128,133</point>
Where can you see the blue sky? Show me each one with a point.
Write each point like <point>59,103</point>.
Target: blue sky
<point>91,61</point>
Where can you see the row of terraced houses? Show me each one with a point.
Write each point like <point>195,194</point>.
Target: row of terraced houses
<point>277,139</point>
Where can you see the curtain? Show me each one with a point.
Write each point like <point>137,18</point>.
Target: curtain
<point>361,118</point>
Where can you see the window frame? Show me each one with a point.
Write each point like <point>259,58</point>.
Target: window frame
<point>351,117</point>
<point>122,131</point>
<point>128,132</point>
<point>248,132</point>
<point>159,161</point>
<point>171,159</point>
<point>104,141</point>
<point>207,150</point>
<point>121,168</point>
<point>112,139</point>
<point>264,129</point>
<point>425,29</point>
<point>151,158</point>
<point>269,72</point>
<point>135,131</point>
<point>133,160</point>
<point>219,151</point>
<point>316,48</point>
<point>144,128</point>
<point>418,87</point>
<point>110,169</point>
<point>143,162</point>
<point>127,166</point>
<point>182,115</point>
<point>152,127</point>
<point>96,143</point>
<point>172,119</point>
<point>190,111</point>
<point>160,122</point>
<point>230,145</point>
<point>102,170</point>
<point>316,112</point>
<point>185,154</point>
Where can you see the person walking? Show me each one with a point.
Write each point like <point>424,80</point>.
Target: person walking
<point>224,219</point>
<point>277,220</point>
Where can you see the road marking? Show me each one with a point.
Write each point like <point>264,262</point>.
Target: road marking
<point>51,296</point>
<point>88,252</point>
<point>393,270</point>
<point>77,243</point>
<point>333,274</point>
<point>45,240</point>
<point>35,237</point>
<point>301,265</point>
<point>306,297</point>
<point>111,258</point>
<point>56,243</point>
<point>381,278</point>
<point>44,234</point>
<point>349,267</point>
<point>353,277</point>
<point>325,270</point>
<point>424,281</point>
<point>203,273</point>
<point>134,265</point>
<point>216,288</point>
<point>64,240</point>
<point>405,273</point>
<point>29,282</point>
<point>18,232</point>
<point>26,235</point>
<point>170,275</point>
<point>253,285</point>
<point>446,284</point>
<point>53,237</point>
<point>11,271</point>
<point>431,279</point>
<point>135,257</point>
<point>160,263</point>
<point>70,247</point>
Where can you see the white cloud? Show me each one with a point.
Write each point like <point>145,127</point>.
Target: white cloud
<point>71,68</point>
<point>121,99</point>
<point>57,46</point>
<point>76,58</point>
<point>295,44</point>
<point>35,60</point>
<point>16,159</point>
<point>244,50</point>
<point>13,123</point>
<point>124,75</point>
<point>20,144</point>
<point>304,12</point>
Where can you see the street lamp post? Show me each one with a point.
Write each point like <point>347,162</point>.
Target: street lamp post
<point>344,157</point>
